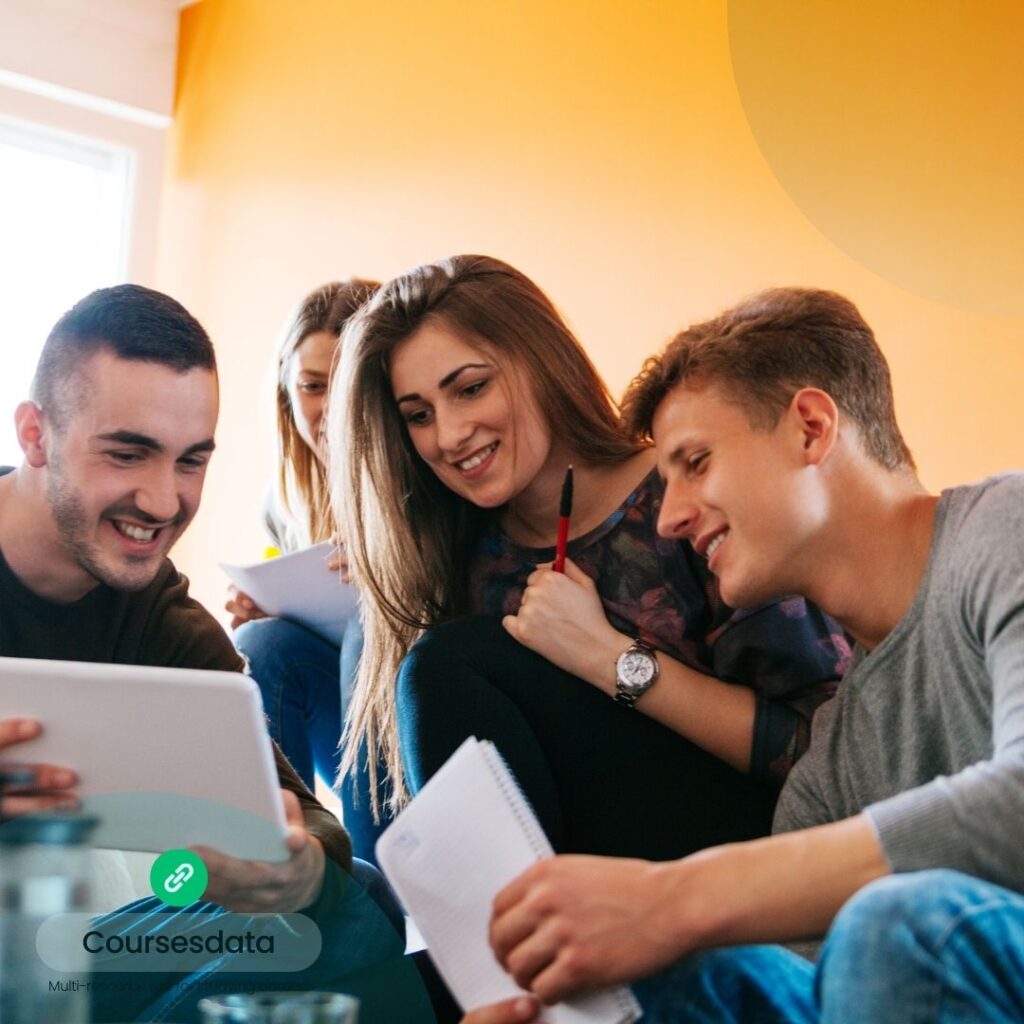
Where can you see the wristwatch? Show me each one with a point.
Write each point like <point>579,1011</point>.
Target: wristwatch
<point>636,671</point>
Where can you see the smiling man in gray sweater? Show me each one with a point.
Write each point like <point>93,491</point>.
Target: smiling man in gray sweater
<point>900,834</point>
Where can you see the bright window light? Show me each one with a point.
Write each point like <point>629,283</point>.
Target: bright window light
<point>64,220</point>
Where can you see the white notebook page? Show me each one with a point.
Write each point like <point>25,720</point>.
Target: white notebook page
<point>300,587</point>
<point>466,835</point>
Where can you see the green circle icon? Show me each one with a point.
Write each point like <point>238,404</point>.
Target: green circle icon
<point>178,877</point>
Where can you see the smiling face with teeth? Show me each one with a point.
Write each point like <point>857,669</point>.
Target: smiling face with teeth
<point>125,470</point>
<point>472,418</point>
<point>749,500</point>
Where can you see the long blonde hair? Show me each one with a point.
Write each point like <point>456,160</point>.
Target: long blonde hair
<point>301,493</point>
<point>410,538</point>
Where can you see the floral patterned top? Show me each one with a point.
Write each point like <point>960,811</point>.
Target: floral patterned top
<point>661,591</point>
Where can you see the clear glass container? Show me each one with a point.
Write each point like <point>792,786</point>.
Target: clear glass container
<point>44,871</point>
<point>280,1008</point>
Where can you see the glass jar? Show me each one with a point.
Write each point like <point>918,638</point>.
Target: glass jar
<point>44,871</point>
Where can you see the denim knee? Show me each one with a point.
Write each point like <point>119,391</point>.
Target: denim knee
<point>925,947</point>
<point>675,990</point>
<point>269,642</point>
<point>377,888</point>
<point>759,984</point>
<point>920,906</point>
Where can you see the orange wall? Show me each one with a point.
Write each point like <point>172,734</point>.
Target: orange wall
<point>646,162</point>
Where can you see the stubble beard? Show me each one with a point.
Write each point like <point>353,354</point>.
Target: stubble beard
<point>73,524</point>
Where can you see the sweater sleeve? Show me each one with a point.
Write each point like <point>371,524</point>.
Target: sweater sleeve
<point>319,821</point>
<point>973,820</point>
<point>792,656</point>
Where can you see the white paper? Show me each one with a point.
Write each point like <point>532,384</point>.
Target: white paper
<point>466,835</point>
<point>299,586</point>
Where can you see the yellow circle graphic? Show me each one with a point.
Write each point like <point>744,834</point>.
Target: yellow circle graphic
<point>898,128</point>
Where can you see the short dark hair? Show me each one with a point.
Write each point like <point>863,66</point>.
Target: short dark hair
<point>134,323</point>
<point>763,351</point>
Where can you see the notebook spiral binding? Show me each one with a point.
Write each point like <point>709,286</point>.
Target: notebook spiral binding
<point>539,842</point>
<point>517,801</point>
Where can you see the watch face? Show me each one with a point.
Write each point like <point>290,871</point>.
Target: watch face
<point>636,671</point>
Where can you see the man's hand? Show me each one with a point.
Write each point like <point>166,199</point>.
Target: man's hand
<point>511,1011</point>
<point>562,619</point>
<point>259,887</point>
<point>242,607</point>
<point>51,786</point>
<point>570,924</point>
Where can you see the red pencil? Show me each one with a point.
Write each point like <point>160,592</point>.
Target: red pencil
<point>564,512</point>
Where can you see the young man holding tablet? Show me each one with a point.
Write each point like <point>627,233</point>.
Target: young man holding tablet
<point>117,439</point>
<point>901,829</point>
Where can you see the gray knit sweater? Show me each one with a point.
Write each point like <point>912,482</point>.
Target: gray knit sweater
<point>926,733</point>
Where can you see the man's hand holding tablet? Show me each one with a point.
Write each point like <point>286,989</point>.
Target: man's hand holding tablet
<point>261,887</point>
<point>51,787</point>
<point>240,885</point>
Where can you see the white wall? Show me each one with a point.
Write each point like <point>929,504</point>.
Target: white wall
<point>119,50</point>
<point>99,69</point>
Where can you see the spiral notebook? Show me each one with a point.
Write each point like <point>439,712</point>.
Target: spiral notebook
<point>466,835</point>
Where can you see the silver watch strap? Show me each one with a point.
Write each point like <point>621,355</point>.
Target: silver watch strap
<point>628,700</point>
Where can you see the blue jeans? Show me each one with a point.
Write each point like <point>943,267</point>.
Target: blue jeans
<point>298,673</point>
<point>932,947</point>
<point>306,684</point>
<point>354,792</point>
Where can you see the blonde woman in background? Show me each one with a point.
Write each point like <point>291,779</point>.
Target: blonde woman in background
<point>303,677</point>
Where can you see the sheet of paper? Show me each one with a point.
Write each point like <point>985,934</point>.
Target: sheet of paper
<point>466,835</point>
<point>300,587</point>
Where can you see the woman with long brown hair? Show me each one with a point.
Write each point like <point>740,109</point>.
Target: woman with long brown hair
<point>460,400</point>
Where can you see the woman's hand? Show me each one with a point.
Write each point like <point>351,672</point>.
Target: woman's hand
<point>337,561</point>
<point>561,618</point>
<point>242,607</point>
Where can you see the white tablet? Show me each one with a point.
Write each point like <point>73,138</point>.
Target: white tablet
<point>166,757</point>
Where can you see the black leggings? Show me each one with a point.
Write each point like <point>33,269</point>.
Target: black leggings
<point>602,778</point>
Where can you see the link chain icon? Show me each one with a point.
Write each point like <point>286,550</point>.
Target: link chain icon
<point>178,877</point>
